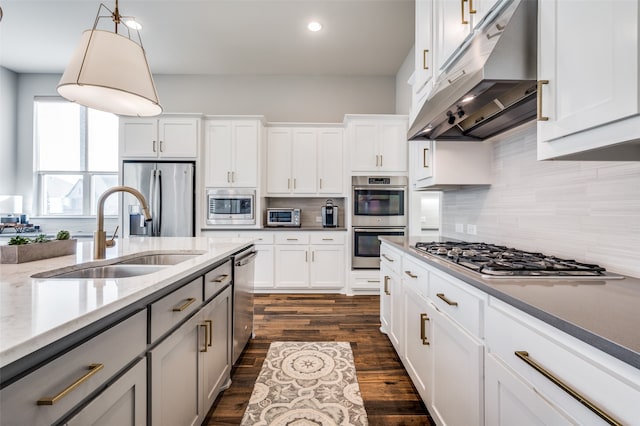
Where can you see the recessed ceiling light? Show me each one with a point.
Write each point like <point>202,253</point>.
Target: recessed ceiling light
<point>133,24</point>
<point>314,26</point>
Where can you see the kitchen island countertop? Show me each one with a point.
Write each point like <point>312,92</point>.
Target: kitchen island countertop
<point>602,313</point>
<point>37,312</point>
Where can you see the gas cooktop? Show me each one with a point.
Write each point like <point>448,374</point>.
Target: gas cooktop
<point>494,261</point>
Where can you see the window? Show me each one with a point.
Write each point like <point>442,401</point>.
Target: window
<point>76,158</point>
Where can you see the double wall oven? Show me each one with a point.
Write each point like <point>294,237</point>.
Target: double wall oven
<point>379,208</point>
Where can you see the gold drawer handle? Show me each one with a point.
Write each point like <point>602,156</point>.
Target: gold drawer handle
<point>540,116</point>
<point>292,239</point>
<point>423,327</point>
<point>210,327</point>
<point>386,285</point>
<point>93,369</point>
<point>424,59</point>
<point>327,239</point>
<point>204,348</point>
<point>388,258</point>
<point>185,305</point>
<point>220,278</point>
<point>464,21</point>
<point>446,300</point>
<point>410,274</point>
<point>524,356</point>
<point>471,9</point>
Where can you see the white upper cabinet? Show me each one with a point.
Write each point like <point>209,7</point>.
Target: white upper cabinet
<point>378,143</point>
<point>423,75</point>
<point>165,137</point>
<point>231,153</point>
<point>452,25</point>
<point>304,160</point>
<point>588,93</point>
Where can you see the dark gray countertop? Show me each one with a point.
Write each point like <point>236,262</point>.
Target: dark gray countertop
<point>603,313</point>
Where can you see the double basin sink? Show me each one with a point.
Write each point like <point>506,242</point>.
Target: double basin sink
<point>122,267</point>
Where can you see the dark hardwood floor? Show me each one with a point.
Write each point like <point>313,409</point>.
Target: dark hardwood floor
<point>388,394</point>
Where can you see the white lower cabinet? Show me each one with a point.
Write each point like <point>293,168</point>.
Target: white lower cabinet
<point>418,351</point>
<point>263,278</point>
<point>396,315</point>
<point>385,299</point>
<point>123,403</point>
<point>189,367</point>
<point>456,373</point>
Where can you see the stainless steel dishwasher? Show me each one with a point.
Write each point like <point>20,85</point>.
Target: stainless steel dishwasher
<point>243,276</point>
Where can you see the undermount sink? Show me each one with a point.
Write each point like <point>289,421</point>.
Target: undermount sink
<point>111,271</point>
<point>122,267</point>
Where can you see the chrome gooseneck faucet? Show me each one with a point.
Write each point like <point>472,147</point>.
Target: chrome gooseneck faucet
<point>99,236</point>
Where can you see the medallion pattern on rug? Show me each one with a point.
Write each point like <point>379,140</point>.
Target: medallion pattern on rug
<point>307,384</point>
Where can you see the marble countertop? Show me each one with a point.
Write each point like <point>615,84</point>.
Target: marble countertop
<point>37,312</point>
<point>603,313</point>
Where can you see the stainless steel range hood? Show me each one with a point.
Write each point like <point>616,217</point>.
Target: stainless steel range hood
<point>489,84</point>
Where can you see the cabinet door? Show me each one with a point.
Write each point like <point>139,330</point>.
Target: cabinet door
<point>393,147</point>
<point>303,161</point>
<point>364,149</point>
<point>591,67</point>
<point>279,161</point>
<point>327,266</point>
<point>216,358</point>
<point>396,324</point>
<point>218,154</point>
<point>263,267</point>
<point>139,137</point>
<point>385,298</point>
<point>418,356</point>
<point>123,403</point>
<point>174,383</point>
<point>422,164</point>
<point>457,373</point>
<point>423,77</point>
<point>178,137</point>
<point>245,154</point>
<point>511,401</point>
<point>452,26</point>
<point>330,162</point>
<point>292,266</point>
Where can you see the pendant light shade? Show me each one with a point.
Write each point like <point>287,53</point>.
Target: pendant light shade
<point>109,72</point>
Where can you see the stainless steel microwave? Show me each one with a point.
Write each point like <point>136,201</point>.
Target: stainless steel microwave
<point>283,217</point>
<point>231,206</point>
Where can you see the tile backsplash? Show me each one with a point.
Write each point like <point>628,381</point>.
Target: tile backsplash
<point>311,208</point>
<point>588,211</point>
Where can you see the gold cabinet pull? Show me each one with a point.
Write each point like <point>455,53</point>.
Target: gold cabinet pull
<point>524,356</point>
<point>220,278</point>
<point>204,348</point>
<point>233,176</point>
<point>209,324</point>
<point>386,285</point>
<point>464,21</point>
<point>381,157</point>
<point>294,183</point>
<point>411,274</point>
<point>540,116</point>
<point>425,158</point>
<point>327,239</point>
<point>423,329</point>
<point>313,255</point>
<point>288,183</point>
<point>471,9</point>
<point>446,300</point>
<point>424,59</point>
<point>185,305</point>
<point>292,239</point>
<point>153,147</point>
<point>306,256</point>
<point>228,177</point>
<point>161,146</point>
<point>388,258</point>
<point>93,369</point>
<point>451,80</point>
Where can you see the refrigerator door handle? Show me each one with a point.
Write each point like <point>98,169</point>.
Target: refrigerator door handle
<point>158,201</point>
<point>151,201</point>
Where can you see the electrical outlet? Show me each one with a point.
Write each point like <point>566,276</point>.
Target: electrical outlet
<point>319,219</point>
<point>471,229</point>
<point>459,227</point>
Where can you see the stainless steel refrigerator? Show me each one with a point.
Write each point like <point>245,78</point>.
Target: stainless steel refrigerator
<point>169,189</point>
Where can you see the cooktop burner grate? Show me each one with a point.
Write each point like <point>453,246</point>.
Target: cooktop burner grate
<point>495,260</point>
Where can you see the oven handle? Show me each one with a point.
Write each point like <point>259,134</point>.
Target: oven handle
<point>376,230</point>
<point>367,188</point>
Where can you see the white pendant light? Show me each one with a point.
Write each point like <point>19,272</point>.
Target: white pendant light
<point>109,72</point>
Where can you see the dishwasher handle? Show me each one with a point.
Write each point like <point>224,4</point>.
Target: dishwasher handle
<point>246,259</point>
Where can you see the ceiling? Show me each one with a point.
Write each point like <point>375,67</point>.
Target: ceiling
<point>221,37</point>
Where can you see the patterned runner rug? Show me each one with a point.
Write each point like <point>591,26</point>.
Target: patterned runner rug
<point>306,383</point>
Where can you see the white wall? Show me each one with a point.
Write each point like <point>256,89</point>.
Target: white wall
<point>403,90</point>
<point>589,211</point>
<point>8,126</point>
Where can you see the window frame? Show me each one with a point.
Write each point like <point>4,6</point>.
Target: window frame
<point>88,202</point>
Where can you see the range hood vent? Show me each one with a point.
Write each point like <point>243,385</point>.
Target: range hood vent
<point>489,84</point>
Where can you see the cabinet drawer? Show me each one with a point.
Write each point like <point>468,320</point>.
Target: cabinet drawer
<point>456,301</point>
<point>259,237</point>
<point>328,238</point>
<point>292,238</point>
<point>167,312</point>
<point>89,365</point>
<point>415,276</point>
<point>217,279</point>
<point>391,258</point>
<point>608,383</point>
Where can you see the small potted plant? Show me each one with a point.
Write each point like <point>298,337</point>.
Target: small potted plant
<point>21,249</point>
